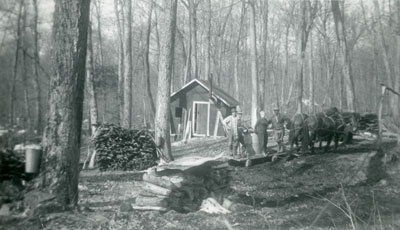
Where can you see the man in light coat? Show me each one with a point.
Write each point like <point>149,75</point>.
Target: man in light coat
<point>232,123</point>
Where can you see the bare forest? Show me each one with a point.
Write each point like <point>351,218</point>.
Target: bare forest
<point>119,95</point>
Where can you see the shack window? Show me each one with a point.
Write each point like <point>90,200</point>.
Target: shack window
<point>178,111</point>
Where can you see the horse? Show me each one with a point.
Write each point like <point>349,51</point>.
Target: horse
<point>298,131</point>
<point>322,128</point>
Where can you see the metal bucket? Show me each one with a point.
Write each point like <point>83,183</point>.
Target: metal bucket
<point>33,157</point>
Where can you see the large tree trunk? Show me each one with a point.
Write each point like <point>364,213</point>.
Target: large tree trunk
<point>344,55</point>
<point>147,62</point>
<point>36,82</point>
<point>127,111</point>
<point>61,141</point>
<point>162,121</point>
<point>15,69</point>
<point>120,63</point>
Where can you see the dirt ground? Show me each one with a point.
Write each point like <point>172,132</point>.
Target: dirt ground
<point>336,190</point>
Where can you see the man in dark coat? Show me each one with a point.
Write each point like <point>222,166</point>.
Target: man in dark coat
<point>278,125</point>
<point>261,131</point>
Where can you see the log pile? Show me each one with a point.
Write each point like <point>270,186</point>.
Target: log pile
<point>124,149</point>
<point>183,190</point>
<point>369,123</point>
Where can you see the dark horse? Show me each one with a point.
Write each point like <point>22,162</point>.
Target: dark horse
<point>298,131</point>
<point>322,128</point>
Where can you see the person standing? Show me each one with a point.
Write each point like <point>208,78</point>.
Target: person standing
<point>232,123</point>
<point>261,131</point>
<point>278,122</point>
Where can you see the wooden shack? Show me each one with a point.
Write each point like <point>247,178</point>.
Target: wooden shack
<point>191,106</point>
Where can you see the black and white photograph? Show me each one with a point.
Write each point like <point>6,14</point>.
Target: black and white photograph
<point>199,114</point>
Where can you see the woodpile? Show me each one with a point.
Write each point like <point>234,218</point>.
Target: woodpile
<point>183,190</point>
<point>369,123</point>
<point>124,149</point>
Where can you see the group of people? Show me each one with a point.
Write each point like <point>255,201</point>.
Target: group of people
<point>233,124</point>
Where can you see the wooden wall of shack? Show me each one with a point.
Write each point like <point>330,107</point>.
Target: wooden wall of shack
<point>185,98</point>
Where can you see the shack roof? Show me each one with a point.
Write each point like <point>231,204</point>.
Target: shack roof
<point>216,92</point>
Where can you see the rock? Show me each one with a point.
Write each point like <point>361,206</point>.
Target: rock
<point>125,207</point>
<point>5,210</point>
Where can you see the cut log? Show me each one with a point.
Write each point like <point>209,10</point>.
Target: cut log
<point>155,189</point>
<point>149,208</point>
<point>160,181</point>
<point>160,201</point>
<point>210,205</point>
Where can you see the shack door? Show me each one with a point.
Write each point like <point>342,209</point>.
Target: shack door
<point>201,115</point>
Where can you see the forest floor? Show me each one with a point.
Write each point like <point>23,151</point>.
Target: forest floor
<point>323,191</point>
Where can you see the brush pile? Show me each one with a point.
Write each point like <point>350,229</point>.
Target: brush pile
<point>183,190</point>
<point>124,149</point>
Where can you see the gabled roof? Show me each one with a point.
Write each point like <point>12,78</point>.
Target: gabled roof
<point>216,92</point>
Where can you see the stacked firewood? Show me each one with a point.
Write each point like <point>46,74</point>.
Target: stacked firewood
<point>182,191</point>
<point>369,122</point>
<point>124,149</point>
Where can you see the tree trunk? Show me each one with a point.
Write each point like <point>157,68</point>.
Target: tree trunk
<point>237,51</point>
<point>90,82</point>
<point>36,82</point>
<point>127,121</point>
<point>193,31</point>
<point>302,44</point>
<point>100,37</point>
<point>265,55</point>
<point>120,63</point>
<point>344,55</point>
<point>311,77</point>
<point>208,43</point>
<point>286,70</point>
<point>254,72</point>
<point>147,62</point>
<point>15,69</point>
<point>162,121</point>
<point>61,141</point>
<point>25,79</point>
<point>396,101</point>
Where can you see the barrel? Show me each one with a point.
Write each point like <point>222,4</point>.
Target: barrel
<point>33,157</point>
